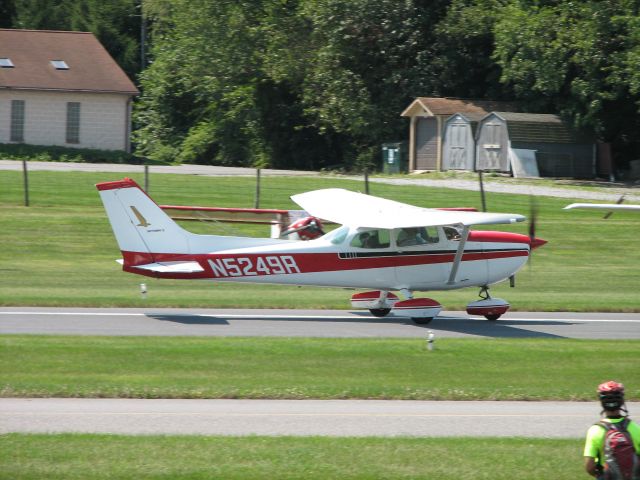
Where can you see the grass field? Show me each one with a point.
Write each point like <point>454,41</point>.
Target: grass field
<point>111,457</point>
<point>61,251</point>
<point>301,368</point>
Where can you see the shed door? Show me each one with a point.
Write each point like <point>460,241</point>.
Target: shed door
<point>492,146</point>
<point>458,146</point>
<point>426,144</point>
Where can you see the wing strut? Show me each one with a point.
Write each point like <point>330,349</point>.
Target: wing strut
<point>458,258</point>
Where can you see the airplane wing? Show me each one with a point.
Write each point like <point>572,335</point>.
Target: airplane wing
<point>603,206</point>
<point>358,210</point>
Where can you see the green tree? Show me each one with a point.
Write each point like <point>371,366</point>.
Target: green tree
<point>7,12</point>
<point>368,61</point>
<point>461,55</point>
<point>576,58</point>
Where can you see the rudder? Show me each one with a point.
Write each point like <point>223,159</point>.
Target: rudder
<point>138,223</point>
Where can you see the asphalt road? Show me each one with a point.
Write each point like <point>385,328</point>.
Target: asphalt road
<point>353,418</point>
<point>310,323</point>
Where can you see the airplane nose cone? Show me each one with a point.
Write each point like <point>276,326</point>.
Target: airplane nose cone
<point>536,242</point>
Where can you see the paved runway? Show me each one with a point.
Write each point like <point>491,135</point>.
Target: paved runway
<point>307,417</point>
<point>300,417</point>
<point>309,323</point>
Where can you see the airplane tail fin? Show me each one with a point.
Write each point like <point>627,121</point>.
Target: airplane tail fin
<point>142,229</point>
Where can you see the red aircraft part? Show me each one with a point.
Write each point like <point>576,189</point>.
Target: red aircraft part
<point>372,300</point>
<point>488,307</point>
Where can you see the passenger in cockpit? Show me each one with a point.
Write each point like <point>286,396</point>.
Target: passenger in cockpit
<point>410,236</point>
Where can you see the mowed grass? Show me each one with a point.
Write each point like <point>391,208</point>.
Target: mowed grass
<point>98,457</point>
<point>301,368</point>
<point>60,251</point>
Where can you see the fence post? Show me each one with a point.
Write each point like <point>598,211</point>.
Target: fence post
<point>25,175</point>
<point>484,202</point>
<point>257,201</point>
<point>366,180</point>
<point>146,178</point>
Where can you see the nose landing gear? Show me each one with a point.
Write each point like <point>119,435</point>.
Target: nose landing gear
<point>490,308</point>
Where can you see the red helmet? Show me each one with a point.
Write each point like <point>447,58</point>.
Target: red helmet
<point>611,395</point>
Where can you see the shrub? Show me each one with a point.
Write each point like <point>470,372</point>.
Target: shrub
<point>45,153</point>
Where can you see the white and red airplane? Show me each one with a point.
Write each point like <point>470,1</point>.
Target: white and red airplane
<point>382,246</point>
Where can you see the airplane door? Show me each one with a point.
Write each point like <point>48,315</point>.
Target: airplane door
<point>473,269</point>
<point>420,262</point>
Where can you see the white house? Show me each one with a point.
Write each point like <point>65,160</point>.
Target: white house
<point>62,88</point>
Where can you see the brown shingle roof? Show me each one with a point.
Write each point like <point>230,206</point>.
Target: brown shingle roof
<point>449,106</point>
<point>91,68</point>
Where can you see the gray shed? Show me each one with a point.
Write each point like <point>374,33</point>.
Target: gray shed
<point>458,151</point>
<point>492,143</point>
<point>559,151</point>
<point>426,130</point>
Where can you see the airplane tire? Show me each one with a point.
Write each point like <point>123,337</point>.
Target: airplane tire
<point>493,317</point>
<point>379,312</point>
<point>422,320</point>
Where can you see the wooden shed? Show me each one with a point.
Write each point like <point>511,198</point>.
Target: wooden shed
<point>428,116</point>
<point>459,145</point>
<point>559,150</point>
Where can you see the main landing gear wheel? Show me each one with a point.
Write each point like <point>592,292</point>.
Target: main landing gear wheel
<point>422,320</point>
<point>379,312</point>
<point>493,317</point>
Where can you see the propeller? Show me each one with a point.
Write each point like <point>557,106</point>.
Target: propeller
<point>533,215</point>
<point>534,242</point>
<point>620,200</point>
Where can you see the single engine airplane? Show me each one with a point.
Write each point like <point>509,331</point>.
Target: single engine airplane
<point>382,245</point>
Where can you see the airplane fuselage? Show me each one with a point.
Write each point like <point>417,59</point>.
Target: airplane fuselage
<point>334,261</point>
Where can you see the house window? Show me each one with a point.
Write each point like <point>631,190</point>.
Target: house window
<point>73,122</point>
<point>6,63</point>
<point>17,121</point>
<point>60,64</point>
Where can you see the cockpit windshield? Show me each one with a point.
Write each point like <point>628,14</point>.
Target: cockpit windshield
<point>337,236</point>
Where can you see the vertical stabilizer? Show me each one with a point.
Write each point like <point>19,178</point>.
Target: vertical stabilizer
<point>138,223</point>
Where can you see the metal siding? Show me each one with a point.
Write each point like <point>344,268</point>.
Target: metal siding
<point>426,144</point>
<point>562,159</point>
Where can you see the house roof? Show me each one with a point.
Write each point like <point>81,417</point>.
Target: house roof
<point>436,106</point>
<point>90,67</point>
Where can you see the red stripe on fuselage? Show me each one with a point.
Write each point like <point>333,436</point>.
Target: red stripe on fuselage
<point>230,266</point>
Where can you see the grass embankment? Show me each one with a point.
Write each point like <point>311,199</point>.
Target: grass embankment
<point>61,251</point>
<point>98,457</point>
<point>459,369</point>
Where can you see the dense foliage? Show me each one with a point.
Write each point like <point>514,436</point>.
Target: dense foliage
<point>317,83</point>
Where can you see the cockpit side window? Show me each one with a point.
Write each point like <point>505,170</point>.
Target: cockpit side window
<point>372,239</point>
<point>451,233</point>
<point>408,237</point>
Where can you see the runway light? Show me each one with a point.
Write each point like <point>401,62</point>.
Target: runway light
<point>143,290</point>
<point>431,341</point>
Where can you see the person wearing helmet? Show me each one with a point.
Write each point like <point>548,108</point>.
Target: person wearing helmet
<point>615,418</point>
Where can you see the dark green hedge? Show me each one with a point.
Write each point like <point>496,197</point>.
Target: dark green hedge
<point>43,153</point>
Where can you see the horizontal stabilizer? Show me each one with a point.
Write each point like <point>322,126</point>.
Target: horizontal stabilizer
<point>171,267</point>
